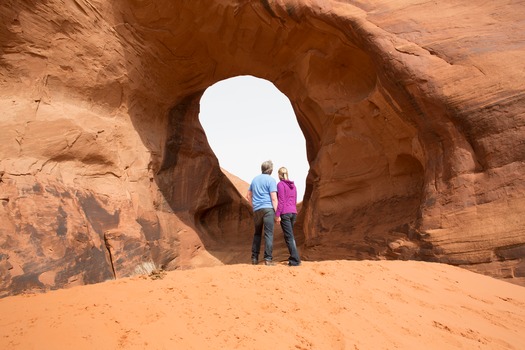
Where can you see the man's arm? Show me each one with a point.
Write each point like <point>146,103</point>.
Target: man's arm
<point>275,202</point>
<point>280,199</point>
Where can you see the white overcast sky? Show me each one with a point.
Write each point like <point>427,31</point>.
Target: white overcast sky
<point>247,121</point>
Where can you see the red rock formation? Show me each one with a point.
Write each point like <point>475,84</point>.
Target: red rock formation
<point>412,115</point>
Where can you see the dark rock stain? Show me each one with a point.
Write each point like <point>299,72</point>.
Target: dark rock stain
<point>62,222</point>
<point>97,216</point>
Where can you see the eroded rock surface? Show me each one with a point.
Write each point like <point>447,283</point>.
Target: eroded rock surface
<point>413,115</point>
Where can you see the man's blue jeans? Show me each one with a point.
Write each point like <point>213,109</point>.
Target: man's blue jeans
<point>263,219</point>
<point>287,222</point>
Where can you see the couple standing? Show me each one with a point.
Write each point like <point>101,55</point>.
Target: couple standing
<point>273,202</point>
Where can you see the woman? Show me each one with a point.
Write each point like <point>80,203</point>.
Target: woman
<point>286,213</point>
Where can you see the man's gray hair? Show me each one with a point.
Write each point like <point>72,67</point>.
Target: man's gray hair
<point>267,167</point>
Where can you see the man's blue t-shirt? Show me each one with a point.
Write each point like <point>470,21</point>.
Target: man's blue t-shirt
<point>261,187</point>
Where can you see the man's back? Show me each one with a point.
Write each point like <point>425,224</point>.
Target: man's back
<point>261,187</point>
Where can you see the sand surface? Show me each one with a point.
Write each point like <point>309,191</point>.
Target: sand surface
<point>319,305</point>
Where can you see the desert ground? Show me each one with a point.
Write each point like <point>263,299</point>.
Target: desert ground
<point>318,305</point>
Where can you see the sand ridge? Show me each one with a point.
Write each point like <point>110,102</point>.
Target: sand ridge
<point>319,305</point>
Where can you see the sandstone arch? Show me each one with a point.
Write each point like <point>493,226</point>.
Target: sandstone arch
<point>330,111</point>
<point>413,137</point>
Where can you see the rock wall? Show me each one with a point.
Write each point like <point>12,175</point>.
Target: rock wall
<point>413,115</point>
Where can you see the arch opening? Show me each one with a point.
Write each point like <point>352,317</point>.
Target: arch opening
<point>247,120</point>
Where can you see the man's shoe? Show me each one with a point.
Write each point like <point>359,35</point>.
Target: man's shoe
<point>255,261</point>
<point>269,263</point>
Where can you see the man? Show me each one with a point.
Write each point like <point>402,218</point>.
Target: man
<point>263,196</point>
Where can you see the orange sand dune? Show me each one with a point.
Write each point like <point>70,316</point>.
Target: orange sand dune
<point>319,305</point>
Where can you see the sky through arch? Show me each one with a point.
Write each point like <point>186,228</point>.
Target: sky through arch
<point>247,120</point>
